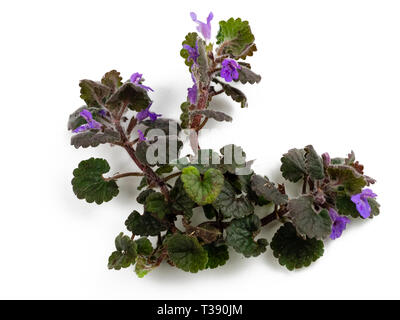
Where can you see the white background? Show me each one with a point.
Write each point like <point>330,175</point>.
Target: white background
<point>331,77</point>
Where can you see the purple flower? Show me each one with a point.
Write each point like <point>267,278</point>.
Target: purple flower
<point>338,224</point>
<point>102,113</point>
<point>193,52</point>
<point>361,202</point>
<point>203,28</point>
<point>146,113</point>
<point>229,70</point>
<point>326,159</point>
<point>91,123</point>
<point>136,78</point>
<point>192,92</point>
<point>141,136</point>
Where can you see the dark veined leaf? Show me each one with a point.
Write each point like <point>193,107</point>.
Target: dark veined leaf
<point>293,165</point>
<point>94,137</point>
<point>180,201</point>
<point>345,206</point>
<point>246,75</point>
<point>217,255</point>
<point>125,255</point>
<point>94,93</point>
<point>293,251</point>
<point>129,94</point>
<point>307,220</point>
<point>216,115</point>
<point>314,164</point>
<point>88,182</point>
<point>112,79</point>
<point>267,190</point>
<point>232,205</point>
<point>347,177</point>
<point>186,253</point>
<point>235,36</point>
<point>202,189</point>
<point>141,198</point>
<point>155,203</point>
<point>144,247</point>
<point>240,236</point>
<point>375,207</point>
<point>144,225</point>
<point>234,93</point>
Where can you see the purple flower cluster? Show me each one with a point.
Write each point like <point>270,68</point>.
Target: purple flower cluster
<point>361,202</point>
<point>203,28</point>
<point>91,123</point>
<point>230,69</point>
<point>146,113</point>
<point>136,79</point>
<point>338,224</point>
<point>193,52</point>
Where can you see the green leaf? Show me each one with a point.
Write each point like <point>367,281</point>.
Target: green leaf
<point>314,164</point>
<point>94,93</point>
<point>88,182</point>
<point>155,203</point>
<point>190,40</point>
<point>375,207</point>
<point>293,251</point>
<point>347,177</point>
<point>236,36</point>
<point>142,268</point>
<point>246,75</point>
<point>293,165</point>
<point>307,220</point>
<point>184,117</point>
<point>267,190</point>
<point>240,236</point>
<point>186,253</point>
<point>164,169</point>
<point>234,93</point>
<point>180,200</point>
<point>141,198</point>
<point>345,206</point>
<point>131,95</point>
<point>217,255</point>
<point>94,137</point>
<point>206,231</point>
<point>209,211</point>
<point>112,79</point>
<point>125,255</point>
<point>216,115</point>
<point>144,225</point>
<point>202,190</point>
<point>232,205</point>
<point>144,247</point>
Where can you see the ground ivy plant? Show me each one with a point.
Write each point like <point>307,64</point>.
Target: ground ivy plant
<point>218,187</point>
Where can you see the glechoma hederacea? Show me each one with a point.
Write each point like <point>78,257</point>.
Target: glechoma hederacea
<point>219,186</point>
